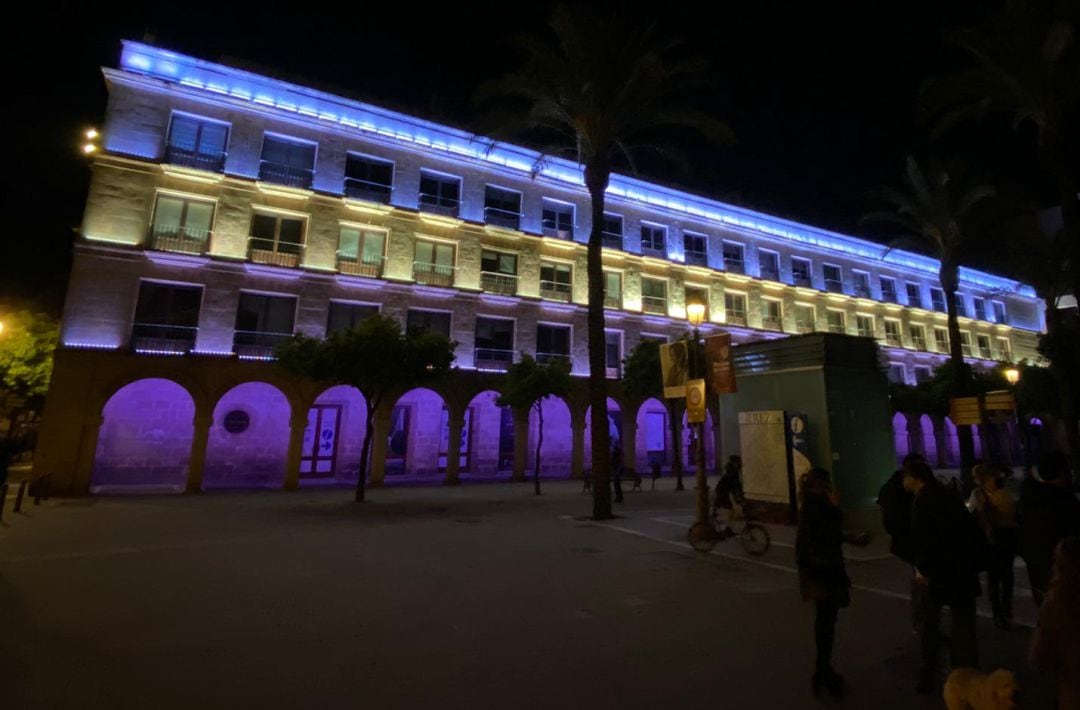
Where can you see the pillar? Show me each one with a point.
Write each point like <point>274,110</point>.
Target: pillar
<point>380,434</point>
<point>456,423</point>
<point>297,425</point>
<point>197,460</point>
<point>914,434</point>
<point>577,449</point>
<point>84,463</point>
<point>629,443</point>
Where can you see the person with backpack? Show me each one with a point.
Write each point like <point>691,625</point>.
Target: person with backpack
<point>995,510</point>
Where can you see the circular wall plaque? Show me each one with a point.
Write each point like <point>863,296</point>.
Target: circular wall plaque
<point>237,421</point>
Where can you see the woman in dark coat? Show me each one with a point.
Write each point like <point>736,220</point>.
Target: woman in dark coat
<point>822,576</point>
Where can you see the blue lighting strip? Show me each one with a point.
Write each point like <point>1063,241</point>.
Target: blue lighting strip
<point>327,109</point>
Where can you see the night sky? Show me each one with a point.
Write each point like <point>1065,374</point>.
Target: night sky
<point>821,96</point>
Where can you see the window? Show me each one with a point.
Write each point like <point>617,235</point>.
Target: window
<point>861,283</point>
<point>166,318</point>
<point>276,239</point>
<point>980,308</point>
<point>433,263</point>
<point>864,325</point>
<point>961,305</point>
<point>1004,350</point>
<point>557,219</point>
<point>693,294</point>
<point>287,161</point>
<point>552,342</point>
<point>612,289</point>
<point>999,311</point>
<point>181,225</point>
<point>368,178</point>
<point>360,251</point>
<point>735,308</point>
<point>696,249</point>
<point>772,317</point>
<point>888,289</point>
<point>612,234</point>
<point>965,343</point>
<point>420,321</point>
<point>769,265</point>
<point>555,281</point>
<point>653,238</point>
<point>262,323</point>
<point>922,374</point>
<point>733,258</point>
<point>346,316</point>
<point>800,272</point>
<point>613,353</point>
<point>937,299</point>
<point>502,207</point>
<point>440,193</point>
<point>914,295</point>
<point>984,346</point>
<point>494,343</point>
<point>197,143</point>
<point>498,272</point>
<point>804,318</point>
<point>941,340</point>
<point>835,321</point>
<point>892,333</point>
<point>834,278</point>
<point>654,296</point>
<point>918,336</point>
<point>896,374</point>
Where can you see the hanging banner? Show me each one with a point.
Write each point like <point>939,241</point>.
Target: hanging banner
<point>695,401</point>
<point>674,368</point>
<point>721,371</point>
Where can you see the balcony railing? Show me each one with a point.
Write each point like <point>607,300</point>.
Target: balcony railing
<point>612,300</point>
<point>770,274</point>
<point>654,250</point>
<point>985,353</point>
<point>178,239</point>
<point>257,344</point>
<point>654,304</point>
<point>965,349</point>
<point>551,228</point>
<point>494,282</point>
<point>366,266</point>
<point>915,302</point>
<point>610,240</point>
<point>735,318</point>
<point>367,190</point>
<point>837,328</point>
<point>438,204</point>
<point>1002,355</point>
<point>502,218</point>
<point>888,296</point>
<point>268,251</point>
<point>735,266</point>
<point>697,258</point>
<point>613,373</point>
<point>544,358</point>
<point>942,346</point>
<point>492,358</point>
<point>433,274</point>
<point>213,161</point>
<point>164,339</point>
<point>555,291</point>
<point>918,343</point>
<point>801,280</point>
<point>893,341</point>
<point>834,286</point>
<point>861,290</point>
<point>804,327</point>
<point>286,175</point>
<point>772,323</point>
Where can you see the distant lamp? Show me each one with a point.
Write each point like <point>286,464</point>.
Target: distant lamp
<point>1012,375</point>
<point>1,327</point>
<point>91,134</point>
<point>695,313</point>
<point>89,148</point>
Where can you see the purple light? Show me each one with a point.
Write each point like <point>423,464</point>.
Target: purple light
<point>89,346</point>
<point>151,351</point>
<point>214,353</point>
<point>174,259</point>
<point>277,272</point>
<point>254,456</point>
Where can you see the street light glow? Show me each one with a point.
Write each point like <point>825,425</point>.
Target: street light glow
<point>1012,375</point>
<point>695,313</point>
<point>91,134</point>
<point>89,148</point>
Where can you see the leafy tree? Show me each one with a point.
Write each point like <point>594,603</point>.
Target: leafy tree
<point>528,384</point>
<point>376,358</point>
<point>641,377</point>
<point>27,342</point>
<point>604,86</point>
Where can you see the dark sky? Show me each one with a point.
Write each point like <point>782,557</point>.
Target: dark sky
<point>821,96</point>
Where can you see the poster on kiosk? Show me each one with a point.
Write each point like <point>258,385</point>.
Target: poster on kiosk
<point>775,451</point>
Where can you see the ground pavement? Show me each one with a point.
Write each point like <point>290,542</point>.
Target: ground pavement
<point>460,597</point>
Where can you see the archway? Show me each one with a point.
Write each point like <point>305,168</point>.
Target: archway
<point>653,435</point>
<point>689,460</point>
<point>901,442</point>
<point>558,446</point>
<point>929,439</point>
<point>418,437</point>
<point>145,438</point>
<point>615,432</point>
<point>952,444</point>
<point>249,440</point>
<point>489,436</point>
<point>334,437</point>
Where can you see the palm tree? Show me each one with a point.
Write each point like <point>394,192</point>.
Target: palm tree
<point>603,86</point>
<point>932,208</point>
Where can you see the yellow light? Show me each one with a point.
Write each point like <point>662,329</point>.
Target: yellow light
<point>89,148</point>
<point>1,327</point>
<point>91,134</point>
<point>695,313</point>
<point>1012,375</point>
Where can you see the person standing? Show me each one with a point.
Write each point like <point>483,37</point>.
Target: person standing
<point>895,503</point>
<point>1047,513</point>
<point>1055,645</point>
<point>949,552</point>
<point>995,510</point>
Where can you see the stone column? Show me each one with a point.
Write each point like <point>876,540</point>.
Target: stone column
<point>914,435</point>
<point>380,433</point>
<point>577,449</point>
<point>456,423</point>
<point>297,425</point>
<point>629,445</point>
<point>521,444</point>
<point>84,463</point>
<point>197,460</point>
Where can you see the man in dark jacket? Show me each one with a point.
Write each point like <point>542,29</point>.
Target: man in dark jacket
<point>944,543</point>
<point>895,502</point>
<point>1047,513</point>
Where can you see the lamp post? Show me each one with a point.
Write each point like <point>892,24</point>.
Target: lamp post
<point>695,314</point>
<point>1012,375</point>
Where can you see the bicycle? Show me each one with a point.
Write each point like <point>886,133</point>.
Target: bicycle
<point>753,537</point>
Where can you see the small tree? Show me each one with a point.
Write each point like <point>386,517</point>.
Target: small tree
<point>528,384</point>
<point>376,358</point>
<point>642,378</point>
<point>27,342</point>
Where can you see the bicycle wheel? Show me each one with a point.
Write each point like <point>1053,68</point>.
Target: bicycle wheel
<point>702,537</point>
<point>755,539</point>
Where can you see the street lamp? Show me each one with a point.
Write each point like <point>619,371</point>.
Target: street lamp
<point>1012,375</point>
<point>695,314</point>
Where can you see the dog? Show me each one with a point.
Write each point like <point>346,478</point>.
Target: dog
<point>968,689</point>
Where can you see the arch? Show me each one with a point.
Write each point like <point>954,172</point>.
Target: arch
<point>488,436</point>
<point>249,438</point>
<point>952,444</point>
<point>418,434</point>
<point>144,442</point>
<point>653,435</point>
<point>334,437</point>
<point>690,463</point>
<point>901,442</point>
<point>557,450</point>
<point>615,427</point>
<point>929,439</point>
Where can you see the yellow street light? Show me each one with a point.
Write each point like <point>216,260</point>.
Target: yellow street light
<point>89,148</point>
<point>1012,375</point>
<point>695,313</point>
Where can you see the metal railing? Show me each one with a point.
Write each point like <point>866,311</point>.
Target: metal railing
<point>493,358</point>
<point>495,282</point>
<point>654,304</point>
<point>502,218</point>
<point>612,301</point>
<point>799,280</point>
<point>893,341</point>
<point>697,258</point>
<point>367,190</point>
<point>985,353</point>
<point>918,343</point>
<point>611,240</point>
<point>287,175</point>
<point>1002,355</point>
<point>613,373</point>
<point>439,205</point>
<point>735,266</point>
<point>257,344</point>
<point>772,323</point>
<point>941,346</point>
<point>213,161</point>
<point>915,302</point>
<point>837,328</point>
<point>965,349</point>
<point>274,253</point>
<point>179,239</point>
<point>366,266</point>
<point>888,296</point>
<point>861,291</point>
<point>804,327</point>
<point>770,274</point>
<point>735,317</point>
<point>550,228</point>
<point>555,291</point>
<point>834,286</point>
<point>433,274</point>
<point>151,337</point>
<point>544,358</point>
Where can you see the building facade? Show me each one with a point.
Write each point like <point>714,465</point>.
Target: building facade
<point>229,210</point>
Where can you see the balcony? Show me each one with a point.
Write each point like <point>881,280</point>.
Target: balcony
<point>555,291</point>
<point>254,344</point>
<point>446,206</point>
<point>804,327</point>
<point>367,190</point>
<point>273,253</point>
<point>492,359</point>
<point>433,274</point>
<point>1002,355</point>
<point>918,343</point>
<point>545,358</point>
<point>551,228</point>
<point>734,318</point>
<point>502,218</point>
<point>286,175</point>
<point>893,341</point>
<point>611,240</point>
<point>653,250</point>
<point>697,258</point>
<point>212,161</point>
<point>494,282</point>
<point>613,373</point>
<point>654,305</point>
<point>802,280</point>
<point>366,266</point>
<point>861,291</point>
<point>612,301</point>
<point>770,274</point>
<point>833,286</point>
<point>985,353</point>
<point>772,323</point>
<point>837,328</point>
<point>178,239</point>
<point>735,266</point>
<point>151,338</point>
<point>965,349</point>
<point>942,346</point>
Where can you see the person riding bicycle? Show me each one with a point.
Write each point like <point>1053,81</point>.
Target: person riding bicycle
<point>729,495</point>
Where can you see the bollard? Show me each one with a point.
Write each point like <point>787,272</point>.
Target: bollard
<point>3,499</point>
<point>19,496</point>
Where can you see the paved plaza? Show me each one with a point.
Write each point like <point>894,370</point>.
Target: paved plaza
<point>461,597</point>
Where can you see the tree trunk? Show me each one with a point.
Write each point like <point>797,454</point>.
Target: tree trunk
<point>365,451</point>
<point>949,278</point>
<point>597,174</point>
<point>539,443</point>
<point>676,443</point>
